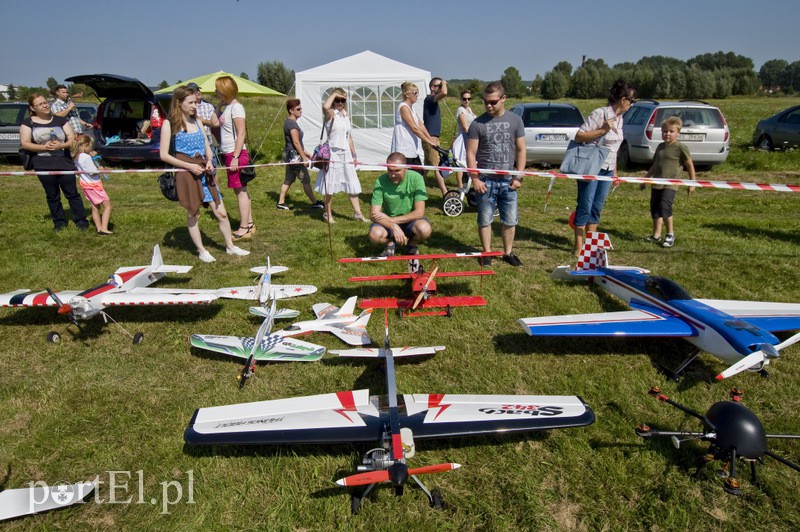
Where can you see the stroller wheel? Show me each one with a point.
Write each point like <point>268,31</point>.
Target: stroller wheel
<point>472,199</point>
<point>452,205</point>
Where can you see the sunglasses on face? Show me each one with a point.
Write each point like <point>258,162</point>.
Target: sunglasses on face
<point>492,102</point>
<point>339,100</point>
<point>632,100</point>
<point>466,99</point>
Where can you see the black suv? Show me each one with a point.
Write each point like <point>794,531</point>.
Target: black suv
<point>128,122</point>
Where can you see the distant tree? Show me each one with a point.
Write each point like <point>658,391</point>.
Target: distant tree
<point>475,86</point>
<point>723,84</point>
<point>656,62</point>
<point>536,85</point>
<point>591,79</point>
<point>745,81</point>
<point>244,75</point>
<point>793,75</point>
<point>720,60</point>
<point>12,92</point>
<point>700,84</point>
<point>52,84</point>
<point>2,97</point>
<point>163,84</point>
<point>564,67</point>
<point>275,75</point>
<point>512,81</point>
<point>773,73</point>
<point>554,85</point>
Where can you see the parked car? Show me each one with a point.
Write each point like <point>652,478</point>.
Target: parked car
<point>87,111</point>
<point>548,129</point>
<point>705,132</point>
<point>128,122</point>
<point>780,131</point>
<point>11,116</point>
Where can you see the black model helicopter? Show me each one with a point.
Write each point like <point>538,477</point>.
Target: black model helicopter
<point>734,432</point>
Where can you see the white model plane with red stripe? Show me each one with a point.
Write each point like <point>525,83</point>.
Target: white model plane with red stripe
<point>738,332</point>
<point>349,327</point>
<point>394,421</point>
<point>127,286</point>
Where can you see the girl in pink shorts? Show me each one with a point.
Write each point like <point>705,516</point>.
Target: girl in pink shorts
<point>91,183</point>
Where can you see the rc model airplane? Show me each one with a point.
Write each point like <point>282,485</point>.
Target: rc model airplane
<point>343,322</point>
<point>127,286</point>
<point>738,332</point>
<point>423,285</point>
<point>394,421</point>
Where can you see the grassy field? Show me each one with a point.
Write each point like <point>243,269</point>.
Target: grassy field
<point>95,403</point>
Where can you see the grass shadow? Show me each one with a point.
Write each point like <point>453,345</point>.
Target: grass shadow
<point>741,231</point>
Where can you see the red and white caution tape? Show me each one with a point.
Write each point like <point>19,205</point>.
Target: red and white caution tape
<point>730,185</point>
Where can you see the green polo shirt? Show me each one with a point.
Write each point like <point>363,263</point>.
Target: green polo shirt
<point>397,200</point>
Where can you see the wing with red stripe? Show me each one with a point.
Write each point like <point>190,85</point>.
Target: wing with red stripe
<point>24,298</point>
<point>468,255</point>
<point>328,418</point>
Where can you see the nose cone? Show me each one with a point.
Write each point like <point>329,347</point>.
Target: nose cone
<point>65,309</point>
<point>398,473</point>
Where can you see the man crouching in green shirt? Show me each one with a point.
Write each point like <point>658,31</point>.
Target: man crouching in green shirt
<point>398,210</point>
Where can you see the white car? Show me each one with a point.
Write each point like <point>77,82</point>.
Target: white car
<point>548,129</point>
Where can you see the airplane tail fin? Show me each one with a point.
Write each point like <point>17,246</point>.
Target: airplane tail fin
<point>593,254</point>
<point>349,307</point>
<point>158,266</point>
<point>363,319</point>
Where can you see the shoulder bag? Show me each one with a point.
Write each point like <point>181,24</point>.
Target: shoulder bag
<point>247,173</point>
<point>321,157</point>
<point>166,181</point>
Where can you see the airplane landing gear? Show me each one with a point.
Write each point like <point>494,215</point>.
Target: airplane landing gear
<point>53,337</point>
<point>137,338</point>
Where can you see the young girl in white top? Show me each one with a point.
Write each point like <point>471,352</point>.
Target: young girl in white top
<point>91,182</point>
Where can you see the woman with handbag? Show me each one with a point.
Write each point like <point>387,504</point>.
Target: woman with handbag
<point>233,133</point>
<point>48,138</point>
<point>295,152</point>
<point>340,174</point>
<point>603,128</point>
<point>192,159</point>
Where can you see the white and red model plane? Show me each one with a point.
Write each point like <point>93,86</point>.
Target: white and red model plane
<point>348,326</point>
<point>738,332</point>
<point>394,421</point>
<point>127,286</point>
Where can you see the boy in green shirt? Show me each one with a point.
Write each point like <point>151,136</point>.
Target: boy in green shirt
<point>670,156</point>
<point>398,210</point>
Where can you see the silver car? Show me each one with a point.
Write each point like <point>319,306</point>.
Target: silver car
<point>704,132</point>
<point>548,129</point>
<point>779,132</point>
<point>11,116</point>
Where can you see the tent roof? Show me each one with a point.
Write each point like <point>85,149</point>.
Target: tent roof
<point>365,66</point>
<point>206,84</point>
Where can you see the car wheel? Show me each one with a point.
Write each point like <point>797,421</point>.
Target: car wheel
<point>624,157</point>
<point>764,143</point>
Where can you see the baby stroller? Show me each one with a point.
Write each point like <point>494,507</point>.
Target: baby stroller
<point>454,199</point>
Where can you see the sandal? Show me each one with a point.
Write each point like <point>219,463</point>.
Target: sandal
<point>248,232</point>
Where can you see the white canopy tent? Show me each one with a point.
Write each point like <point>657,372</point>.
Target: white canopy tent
<point>372,83</point>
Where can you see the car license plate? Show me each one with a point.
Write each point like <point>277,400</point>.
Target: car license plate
<point>552,136</point>
<point>9,136</point>
<point>692,137</point>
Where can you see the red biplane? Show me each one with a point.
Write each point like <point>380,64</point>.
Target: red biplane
<point>423,285</point>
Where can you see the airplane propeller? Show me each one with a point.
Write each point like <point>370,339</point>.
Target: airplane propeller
<point>397,475</point>
<point>424,291</point>
<point>64,308</point>
<point>758,359</point>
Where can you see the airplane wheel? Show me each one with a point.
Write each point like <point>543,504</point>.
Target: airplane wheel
<point>137,338</point>
<point>452,205</point>
<point>398,491</point>
<point>355,504</point>
<point>53,337</point>
<point>436,500</point>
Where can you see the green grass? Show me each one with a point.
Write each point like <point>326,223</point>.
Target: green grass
<point>97,403</point>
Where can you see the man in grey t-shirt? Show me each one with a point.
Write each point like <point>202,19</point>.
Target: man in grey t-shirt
<point>496,140</point>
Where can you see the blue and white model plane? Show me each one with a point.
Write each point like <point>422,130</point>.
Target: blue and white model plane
<point>738,332</point>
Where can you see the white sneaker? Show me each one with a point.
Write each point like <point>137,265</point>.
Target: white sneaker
<point>236,250</point>
<point>205,256</point>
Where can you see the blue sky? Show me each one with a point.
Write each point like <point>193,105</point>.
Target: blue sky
<point>171,40</point>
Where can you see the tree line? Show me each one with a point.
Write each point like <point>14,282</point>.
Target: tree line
<point>710,75</point>
<point>716,75</point>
